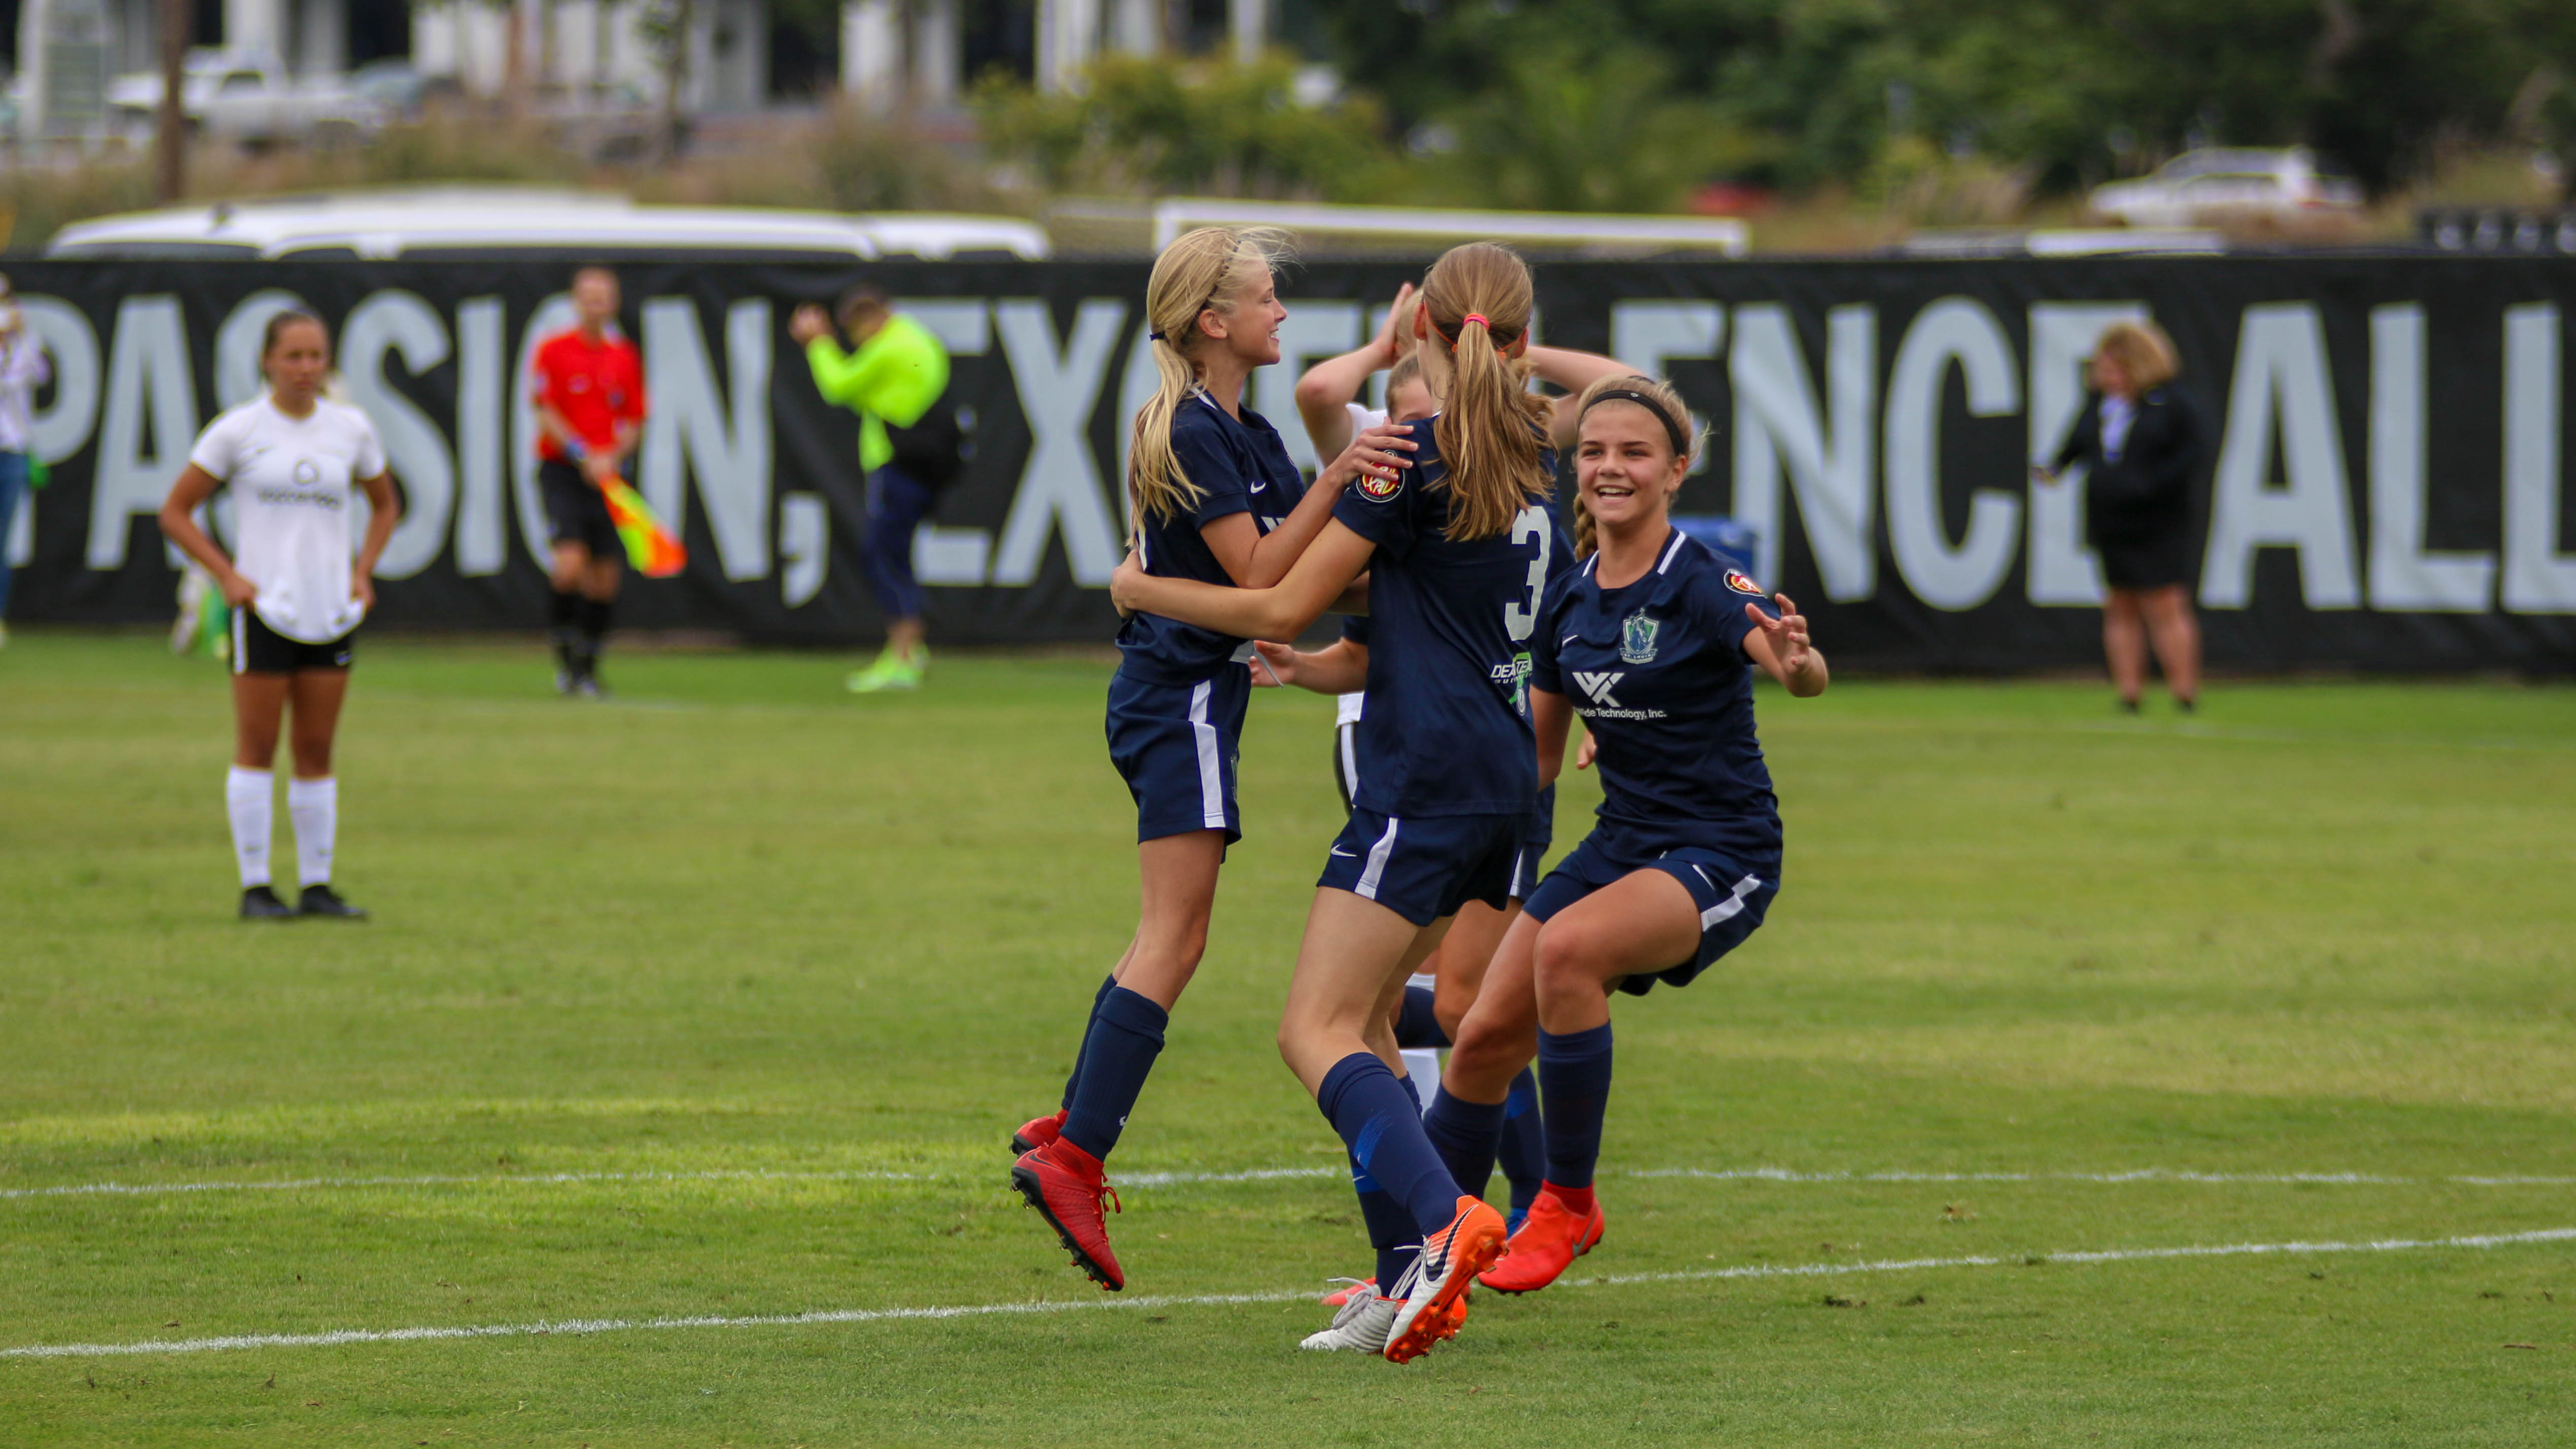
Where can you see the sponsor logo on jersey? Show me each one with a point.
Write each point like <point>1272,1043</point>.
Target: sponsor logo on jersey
<point>1596,687</point>
<point>1736,580</point>
<point>307,471</point>
<point>1377,489</point>
<point>1637,638</point>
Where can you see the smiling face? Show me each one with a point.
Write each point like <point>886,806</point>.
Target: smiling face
<point>1624,466</point>
<point>1249,329</point>
<point>297,363</point>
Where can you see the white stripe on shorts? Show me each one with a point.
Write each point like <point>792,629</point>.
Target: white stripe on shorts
<point>241,640</point>
<point>1732,904</point>
<point>1367,888</point>
<point>1211,778</point>
<point>1518,892</point>
<point>1350,753</point>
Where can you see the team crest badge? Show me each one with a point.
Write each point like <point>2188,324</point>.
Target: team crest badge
<point>1378,489</point>
<point>1736,580</point>
<point>1637,639</point>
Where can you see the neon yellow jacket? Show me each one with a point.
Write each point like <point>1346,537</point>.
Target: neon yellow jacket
<point>894,377</point>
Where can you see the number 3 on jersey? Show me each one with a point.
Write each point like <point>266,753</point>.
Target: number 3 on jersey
<point>1520,619</point>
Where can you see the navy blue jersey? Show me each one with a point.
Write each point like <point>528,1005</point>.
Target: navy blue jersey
<point>1447,730</point>
<point>1657,670</point>
<point>1238,467</point>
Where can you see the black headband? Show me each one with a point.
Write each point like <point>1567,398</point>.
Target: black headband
<point>1681,441</point>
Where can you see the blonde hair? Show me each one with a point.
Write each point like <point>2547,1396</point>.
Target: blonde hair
<point>1665,400</point>
<point>1200,272</point>
<point>1490,423</point>
<point>2143,351</point>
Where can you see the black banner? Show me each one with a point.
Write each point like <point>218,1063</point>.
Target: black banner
<point>2386,487</point>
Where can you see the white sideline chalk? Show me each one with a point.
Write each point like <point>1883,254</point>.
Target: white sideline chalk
<point>577,1326</point>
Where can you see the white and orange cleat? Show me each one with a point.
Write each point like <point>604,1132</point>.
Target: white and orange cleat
<point>1432,1287</point>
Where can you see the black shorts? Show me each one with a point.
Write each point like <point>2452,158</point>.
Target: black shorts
<point>2145,561</point>
<point>259,649</point>
<point>575,511</point>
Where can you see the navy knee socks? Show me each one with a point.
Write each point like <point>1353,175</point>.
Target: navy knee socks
<point>1380,1121</point>
<point>1107,983</point>
<point>1574,1073</point>
<point>1465,1134</point>
<point>1126,1035</point>
<point>1523,1155</point>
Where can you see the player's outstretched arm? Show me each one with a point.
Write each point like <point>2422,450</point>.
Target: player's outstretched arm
<point>1329,387</point>
<point>1573,371</point>
<point>1282,611</point>
<point>1256,560</point>
<point>1783,650</point>
<point>1340,667</point>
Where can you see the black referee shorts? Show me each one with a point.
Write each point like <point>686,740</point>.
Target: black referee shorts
<point>575,511</point>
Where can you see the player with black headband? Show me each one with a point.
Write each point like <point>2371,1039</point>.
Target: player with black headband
<point>296,463</point>
<point>1654,641</point>
<point>1217,501</point>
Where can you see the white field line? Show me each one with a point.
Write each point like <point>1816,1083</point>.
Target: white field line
<point>577,1326</point>
<point>1262,1174</point>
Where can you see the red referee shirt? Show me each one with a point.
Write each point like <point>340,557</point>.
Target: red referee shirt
<point>593,385</point>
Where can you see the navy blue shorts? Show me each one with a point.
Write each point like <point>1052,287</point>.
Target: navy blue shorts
<point>1731,894</point>
<point>1175,745</point>
<point>1423,869</point>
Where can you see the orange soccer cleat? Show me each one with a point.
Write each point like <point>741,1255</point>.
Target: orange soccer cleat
<point>1550,1239</point>
<point>1451,1259</point>
<point>1066,1185</point>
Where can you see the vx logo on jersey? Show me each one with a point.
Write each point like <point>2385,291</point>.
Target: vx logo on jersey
<point>1597,686</point>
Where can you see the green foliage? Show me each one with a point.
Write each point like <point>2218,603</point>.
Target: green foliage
<point>1208,126</point>
<point>1558,133</point>
<point>2072,90</point>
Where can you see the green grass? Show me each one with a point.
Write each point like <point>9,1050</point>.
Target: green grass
<point>737,922</point>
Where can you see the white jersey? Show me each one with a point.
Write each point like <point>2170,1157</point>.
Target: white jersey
<point>1346,707</point>
<point>291,480</point>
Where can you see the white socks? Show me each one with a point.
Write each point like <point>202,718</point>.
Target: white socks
<point>247,800</point>
<point>314,806</point>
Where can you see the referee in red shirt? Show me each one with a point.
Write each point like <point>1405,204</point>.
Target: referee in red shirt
<point>589,391</point>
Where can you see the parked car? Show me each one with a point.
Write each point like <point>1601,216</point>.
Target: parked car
<point>2233,187</point>
<point>244,96</point>
<point>528,224</point>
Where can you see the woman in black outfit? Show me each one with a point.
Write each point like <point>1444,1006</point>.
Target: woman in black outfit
<point>2142,439</point>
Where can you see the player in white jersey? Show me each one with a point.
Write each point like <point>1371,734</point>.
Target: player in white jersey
<point>294,461</point>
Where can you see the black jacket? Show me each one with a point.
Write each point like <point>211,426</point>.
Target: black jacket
<point>2147,492</point>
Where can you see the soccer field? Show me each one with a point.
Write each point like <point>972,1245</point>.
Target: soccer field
<point>2148,1081</point>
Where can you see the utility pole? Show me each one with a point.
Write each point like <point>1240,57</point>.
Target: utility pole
<point>170,134</point>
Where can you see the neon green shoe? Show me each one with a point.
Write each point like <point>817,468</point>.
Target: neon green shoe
<point>891,671</point>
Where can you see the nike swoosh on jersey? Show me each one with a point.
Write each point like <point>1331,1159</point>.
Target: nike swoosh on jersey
<point>1258,487</point>
<point>1568,639</point>
<point>1344,854</point>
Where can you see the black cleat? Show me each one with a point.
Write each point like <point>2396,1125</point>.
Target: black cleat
<point>321,900</point>
<point>260,903</point>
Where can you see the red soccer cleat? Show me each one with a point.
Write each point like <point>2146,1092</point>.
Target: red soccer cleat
<point>1037,1132</point>
<point>1439,1279</point>
<point>1550,1239</point>
<point>1066,1186</point>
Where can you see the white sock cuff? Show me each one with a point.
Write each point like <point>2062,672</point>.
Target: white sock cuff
<point>238,778</point>
<point>313,792</point>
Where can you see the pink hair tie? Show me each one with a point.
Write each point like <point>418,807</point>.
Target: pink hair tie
<point>1478,318</point>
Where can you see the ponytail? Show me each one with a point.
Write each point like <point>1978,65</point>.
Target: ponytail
<point>1201,272</point>
<point>1490,423</point>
